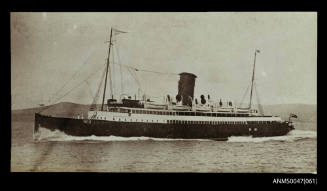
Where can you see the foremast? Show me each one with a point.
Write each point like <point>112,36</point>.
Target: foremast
<point>107,68</point>
<point>252,81</point>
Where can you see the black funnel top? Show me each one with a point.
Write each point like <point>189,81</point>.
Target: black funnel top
<point>186,85</point>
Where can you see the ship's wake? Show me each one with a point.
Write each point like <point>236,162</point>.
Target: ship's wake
<point>45,135</point>
<point>294,135</point>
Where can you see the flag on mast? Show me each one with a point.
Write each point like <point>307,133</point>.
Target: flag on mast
<point>258,51</point>
<point>116,32</point>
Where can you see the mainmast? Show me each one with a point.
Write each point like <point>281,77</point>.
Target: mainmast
<point>105,82</point>
<point>255,55</point>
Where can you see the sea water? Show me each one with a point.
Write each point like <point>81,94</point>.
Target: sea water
<point>55,151</point>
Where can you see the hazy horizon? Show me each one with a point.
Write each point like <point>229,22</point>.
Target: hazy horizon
<point>48,48</point>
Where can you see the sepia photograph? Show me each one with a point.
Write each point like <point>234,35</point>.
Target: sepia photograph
<point>194,92</point>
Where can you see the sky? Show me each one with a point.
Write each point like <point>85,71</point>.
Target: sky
<point>61,56</point>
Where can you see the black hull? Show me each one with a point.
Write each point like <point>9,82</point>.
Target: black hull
<point>85,127</point>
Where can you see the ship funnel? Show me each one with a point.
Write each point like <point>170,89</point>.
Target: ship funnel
<point>186,85</point>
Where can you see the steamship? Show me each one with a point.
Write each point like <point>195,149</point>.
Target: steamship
<point>182,118</point>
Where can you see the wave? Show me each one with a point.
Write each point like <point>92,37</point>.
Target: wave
<point>294,135</point>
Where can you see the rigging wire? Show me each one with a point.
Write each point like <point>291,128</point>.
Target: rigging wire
<point>74,87</point>
<point>142,70</point>
<point>83,64</point>
<point>258,100</point>
<point>97,95</point>
<point>246,91</point>
<point>90,89</point>
<point>120,68</point>
<point>78,85</point>
<point>137,81</point>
